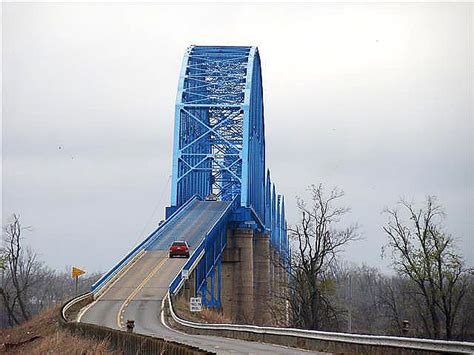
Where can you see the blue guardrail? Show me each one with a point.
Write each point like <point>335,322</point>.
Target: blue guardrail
<point>143,245</point>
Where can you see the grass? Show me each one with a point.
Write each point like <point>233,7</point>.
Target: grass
<point>42,335</point>
<point>207,315</point>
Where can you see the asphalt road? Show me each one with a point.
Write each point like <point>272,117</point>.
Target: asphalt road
<point>138,293</point>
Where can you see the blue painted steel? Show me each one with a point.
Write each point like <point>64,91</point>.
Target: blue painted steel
<point>273,212</point>
<point>219,144</point>
<point>210,250</point>
<point>193,226</point>
<point>268,203</point>
<point>141,246</point>
<point>219,149</point>
<point>219,137</point>
<point>283,230</point>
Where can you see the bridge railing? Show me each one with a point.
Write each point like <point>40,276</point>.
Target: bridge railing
<point>141,246</point>
<point>319,340</point>
<point>200,251</point>
<point>120,341</point>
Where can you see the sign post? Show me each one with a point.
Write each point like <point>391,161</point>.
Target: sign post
<point>195,304</point>
<point>76,272</point>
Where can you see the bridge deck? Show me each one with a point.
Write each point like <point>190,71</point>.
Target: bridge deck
<point>191,226</point>
<point>138,293</point>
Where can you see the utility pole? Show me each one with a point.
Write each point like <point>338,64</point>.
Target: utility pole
<point>349,319</point>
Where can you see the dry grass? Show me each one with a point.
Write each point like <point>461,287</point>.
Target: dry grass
<point>42,335</point>
<point>207,315</point>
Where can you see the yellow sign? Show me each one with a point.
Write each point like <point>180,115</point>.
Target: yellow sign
<point>77,272</point>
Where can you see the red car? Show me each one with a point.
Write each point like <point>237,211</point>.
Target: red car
<point>179,248</point>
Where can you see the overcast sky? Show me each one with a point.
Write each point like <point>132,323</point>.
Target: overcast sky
<point>374,99</point>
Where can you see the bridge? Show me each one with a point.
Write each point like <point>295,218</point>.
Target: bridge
<point>225,205</point>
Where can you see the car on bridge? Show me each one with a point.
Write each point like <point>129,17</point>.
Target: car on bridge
<point>211,197</point>
<point>179,248</point>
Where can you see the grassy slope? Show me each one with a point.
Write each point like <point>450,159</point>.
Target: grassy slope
<point>52,339</point>
<point>211,316</point>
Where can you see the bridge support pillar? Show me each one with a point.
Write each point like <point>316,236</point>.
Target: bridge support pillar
<point>274,276</point>
<point>278,289</point>
<point>230,258</point>
<point>244,276</point>
<point>237,276</point>
<point>262,279</point>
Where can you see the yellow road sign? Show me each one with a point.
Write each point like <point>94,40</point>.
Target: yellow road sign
<point>77,272</point>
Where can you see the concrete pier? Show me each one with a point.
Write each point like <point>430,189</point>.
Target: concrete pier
<point>275,273</point>
<point>262,279</point>
<point>253,279</point>
<point>230,258</point>
<point>243,275</point>
<point>237,294</point>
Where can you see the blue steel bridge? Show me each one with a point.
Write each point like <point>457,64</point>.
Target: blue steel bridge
<point>225,205</point>
<point>219,149</point>
<point>223,202</point>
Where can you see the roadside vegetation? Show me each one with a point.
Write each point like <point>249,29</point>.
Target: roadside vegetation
<point>42,335</point>
<point>27,284</point>
<point>207,315</point>
<point>429,294</point>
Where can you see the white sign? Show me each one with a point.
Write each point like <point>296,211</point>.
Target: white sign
<point>195,304</point>
<point>185,274</point>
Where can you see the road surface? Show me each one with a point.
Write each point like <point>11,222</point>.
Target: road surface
<point>139,292</point>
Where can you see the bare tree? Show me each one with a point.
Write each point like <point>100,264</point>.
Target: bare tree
<point>466,323</point>
<point>27,284</point>
<point>319,240</point>
<point>424,253</point>
<point>362,294</point>
<point>21,272</point>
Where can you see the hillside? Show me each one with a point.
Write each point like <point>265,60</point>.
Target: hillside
<point>42,334</point>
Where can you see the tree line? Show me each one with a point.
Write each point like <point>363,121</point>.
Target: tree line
<point>28,285</point>
<point>429,294</point>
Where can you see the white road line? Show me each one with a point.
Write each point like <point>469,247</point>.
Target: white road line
<point>101,294</point>
<point>137,290</point>
<point>162,316</point>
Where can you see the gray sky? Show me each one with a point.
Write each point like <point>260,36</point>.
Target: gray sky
<point>376,99</point>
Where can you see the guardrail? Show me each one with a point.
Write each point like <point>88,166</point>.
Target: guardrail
<point>324,341</point>
<point>132,343</point>
<point>75,304</point>
<point>199,252</point>
<point>125,342</point>
<point>141,246</point>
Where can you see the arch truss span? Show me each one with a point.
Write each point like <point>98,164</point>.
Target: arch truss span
<point>219,140</point>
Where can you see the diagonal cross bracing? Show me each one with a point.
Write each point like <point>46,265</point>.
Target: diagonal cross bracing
<point>219,142</point>
<point>209,123</point>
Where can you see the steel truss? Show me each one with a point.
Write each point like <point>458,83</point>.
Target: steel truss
<point>219,145</point>
<point>219,149</point>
